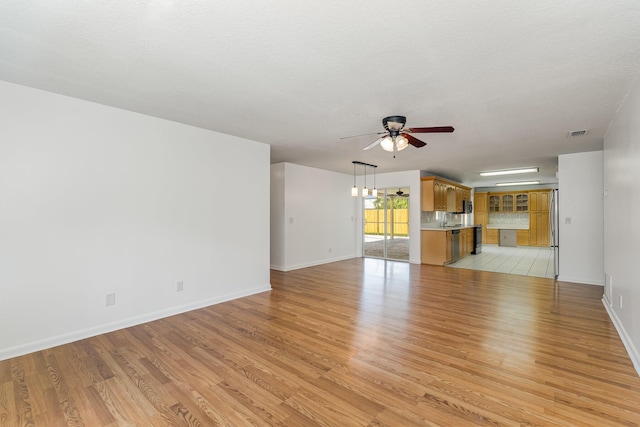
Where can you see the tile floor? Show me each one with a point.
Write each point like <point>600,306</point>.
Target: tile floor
<point>525,261</point>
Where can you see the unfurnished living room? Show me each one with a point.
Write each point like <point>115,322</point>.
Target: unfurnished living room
<point>190,194</point>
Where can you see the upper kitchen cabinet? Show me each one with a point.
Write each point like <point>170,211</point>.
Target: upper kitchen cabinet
<point>480,202</point>
<point>522,202</point>
<point>506,203</point>
<point>539,201</point>
<point>494,203</point>
<point>439,194</point>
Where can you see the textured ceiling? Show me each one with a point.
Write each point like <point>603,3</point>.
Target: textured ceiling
<point>513,77</point>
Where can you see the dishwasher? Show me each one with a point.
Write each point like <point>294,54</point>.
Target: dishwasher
<point>455,245</point>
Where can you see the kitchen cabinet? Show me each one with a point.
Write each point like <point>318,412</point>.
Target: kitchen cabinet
<point>539,201</point>
<point>442,195</point>
<point>466,246</point>
<point>522,237</point>
<point>492,236</point>
<point>506,203</point>
<point>494,203</point>
<point>539,229</point>
<point>436,247</point>
<point>434,195</point>
<point>480,212</point>
<point>522,202</point>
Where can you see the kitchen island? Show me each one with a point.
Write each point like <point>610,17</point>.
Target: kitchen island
<point>445,244</point>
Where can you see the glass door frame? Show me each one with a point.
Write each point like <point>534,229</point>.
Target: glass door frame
<point>388,195</point>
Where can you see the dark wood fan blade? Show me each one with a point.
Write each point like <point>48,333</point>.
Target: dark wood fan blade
<point>414,141</point>
<point>373,144</point>
<point>435,129</point>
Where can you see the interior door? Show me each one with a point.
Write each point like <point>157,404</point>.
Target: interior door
<point>386,225</point>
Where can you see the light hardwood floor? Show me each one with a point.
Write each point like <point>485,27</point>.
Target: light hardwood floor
<point>362,342</point>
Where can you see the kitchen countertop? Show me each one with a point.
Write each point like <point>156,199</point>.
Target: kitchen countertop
<point>507,227</point>
<point>448,227</point>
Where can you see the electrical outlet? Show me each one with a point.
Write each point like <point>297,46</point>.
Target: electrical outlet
<point>111,299</point>
<point>620,300</point>
<point>180,286</point>
<point>330,250</point>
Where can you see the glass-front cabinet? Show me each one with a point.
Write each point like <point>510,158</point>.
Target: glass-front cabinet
<point>522,202</point>
<point>507,203</point>
<point>494,203</point>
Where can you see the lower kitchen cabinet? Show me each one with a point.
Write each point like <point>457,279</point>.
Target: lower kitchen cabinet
<point>522,237</point>
<point>492,236</point>
<point>436,247</point>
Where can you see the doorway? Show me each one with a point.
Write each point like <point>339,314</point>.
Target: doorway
<point>386,225</point>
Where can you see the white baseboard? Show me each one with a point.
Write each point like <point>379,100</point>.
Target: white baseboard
<point>628,344</point>
<point>562,278</point>
<point>7,353</point>
<point>312,263</point>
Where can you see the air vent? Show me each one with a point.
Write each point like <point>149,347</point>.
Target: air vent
<point>577,133</point>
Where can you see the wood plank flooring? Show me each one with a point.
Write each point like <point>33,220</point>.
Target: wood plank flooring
<point>362,342</point>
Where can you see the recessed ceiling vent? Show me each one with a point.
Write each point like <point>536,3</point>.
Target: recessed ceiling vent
<point>577,133</point>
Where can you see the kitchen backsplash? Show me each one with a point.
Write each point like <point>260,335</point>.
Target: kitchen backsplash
<point>521,219</point>
<point>435,219</point>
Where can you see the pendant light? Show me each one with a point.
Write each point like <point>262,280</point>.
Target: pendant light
<point>354,190</point>
<point>374,192</point>
<point>365,191</point>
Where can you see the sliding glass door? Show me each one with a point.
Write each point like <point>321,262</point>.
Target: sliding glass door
<point>386,224</point>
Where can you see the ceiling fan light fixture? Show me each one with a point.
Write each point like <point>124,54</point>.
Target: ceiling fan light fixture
<point>401,142</point>
<point>387,144</point>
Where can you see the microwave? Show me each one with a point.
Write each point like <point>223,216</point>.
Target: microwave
<point>467,206</point>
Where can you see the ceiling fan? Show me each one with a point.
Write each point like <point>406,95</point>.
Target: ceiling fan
<point>401,193</point>
<point>397,138</point>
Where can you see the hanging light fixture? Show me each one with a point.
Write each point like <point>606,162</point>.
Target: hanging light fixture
<point>365,191</point>
<point>354,190</point>
<point>374,191</point>
<point>399,141</point>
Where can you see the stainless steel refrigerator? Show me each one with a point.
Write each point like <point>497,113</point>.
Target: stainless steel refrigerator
<point>555,241</point>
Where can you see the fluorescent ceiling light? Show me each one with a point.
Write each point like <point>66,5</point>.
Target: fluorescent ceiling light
<point>509,172</point>
<point>505,184</point>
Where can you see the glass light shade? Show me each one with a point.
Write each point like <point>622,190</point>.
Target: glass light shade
<point>365,191</point>
<point>401,143</point>
<point>354,191</point>
<point>374,192</point>
<point>387,143</point>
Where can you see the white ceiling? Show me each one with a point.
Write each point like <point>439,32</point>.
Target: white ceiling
<point>512,77</point>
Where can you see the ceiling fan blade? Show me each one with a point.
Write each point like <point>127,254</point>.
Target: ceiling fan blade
<point>373,144</point>
<point>364,134</point>
<point>414,141</point>
<point>435,129</point>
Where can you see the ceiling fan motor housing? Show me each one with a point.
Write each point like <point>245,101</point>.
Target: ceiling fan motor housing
<point>394,124</point>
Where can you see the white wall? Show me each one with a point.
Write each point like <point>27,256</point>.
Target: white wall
<point>580,192</point>
<point>395,180</point>
<point>318,217</point>
<point>277,216</point>
<point>97,200</point>
<point>622,229</point>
